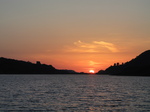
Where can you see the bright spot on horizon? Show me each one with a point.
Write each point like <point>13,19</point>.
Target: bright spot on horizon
<point>91,71</point>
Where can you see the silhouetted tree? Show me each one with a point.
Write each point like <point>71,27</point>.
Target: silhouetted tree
<point>38,62</point>
<point>117,64</point>
<point>139,66</point>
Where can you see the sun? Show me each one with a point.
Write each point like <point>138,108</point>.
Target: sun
<point>91,71</point>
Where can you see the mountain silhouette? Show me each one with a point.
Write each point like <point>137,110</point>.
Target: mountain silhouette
<point>140,66</point>
<point>12,66</point>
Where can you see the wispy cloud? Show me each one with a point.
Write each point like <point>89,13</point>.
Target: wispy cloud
<point>84,45</point>
<point>93,63</point>
<point>77,50</point>
<point>107,45</point>
<point>93,47</point>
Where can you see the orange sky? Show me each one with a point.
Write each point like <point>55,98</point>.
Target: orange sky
<point>77,35</point>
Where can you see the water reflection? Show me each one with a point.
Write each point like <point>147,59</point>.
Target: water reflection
<point>74,93</point>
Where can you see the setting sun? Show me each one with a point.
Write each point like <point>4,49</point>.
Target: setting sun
<point>91,71</point>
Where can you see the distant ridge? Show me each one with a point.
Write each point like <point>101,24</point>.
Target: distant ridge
<point>12,66</point>
<point>140,66</point>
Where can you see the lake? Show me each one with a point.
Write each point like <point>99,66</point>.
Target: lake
<point>100,93</point>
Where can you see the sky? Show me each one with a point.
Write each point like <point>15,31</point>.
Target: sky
<point>80,35</point>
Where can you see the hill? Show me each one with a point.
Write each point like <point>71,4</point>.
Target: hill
<point>140,66</point>
<point>12,66</point>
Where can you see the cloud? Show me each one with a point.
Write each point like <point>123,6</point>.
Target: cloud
<point>107,45</point>
<point>84,45</point>
<point>93,63</point>
<point>80,50</point>
<point>93,47</point>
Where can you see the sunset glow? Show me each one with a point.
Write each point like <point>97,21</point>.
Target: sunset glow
<point>91,71</point>
<point>78,35</point>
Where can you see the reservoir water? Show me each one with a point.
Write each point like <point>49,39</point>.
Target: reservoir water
<point>79,93</point>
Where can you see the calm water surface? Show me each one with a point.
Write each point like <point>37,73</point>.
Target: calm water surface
<point>74,93</point>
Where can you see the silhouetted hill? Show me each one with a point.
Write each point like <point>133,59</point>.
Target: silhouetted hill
<point>140,66</point>
<point>11,66</point>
